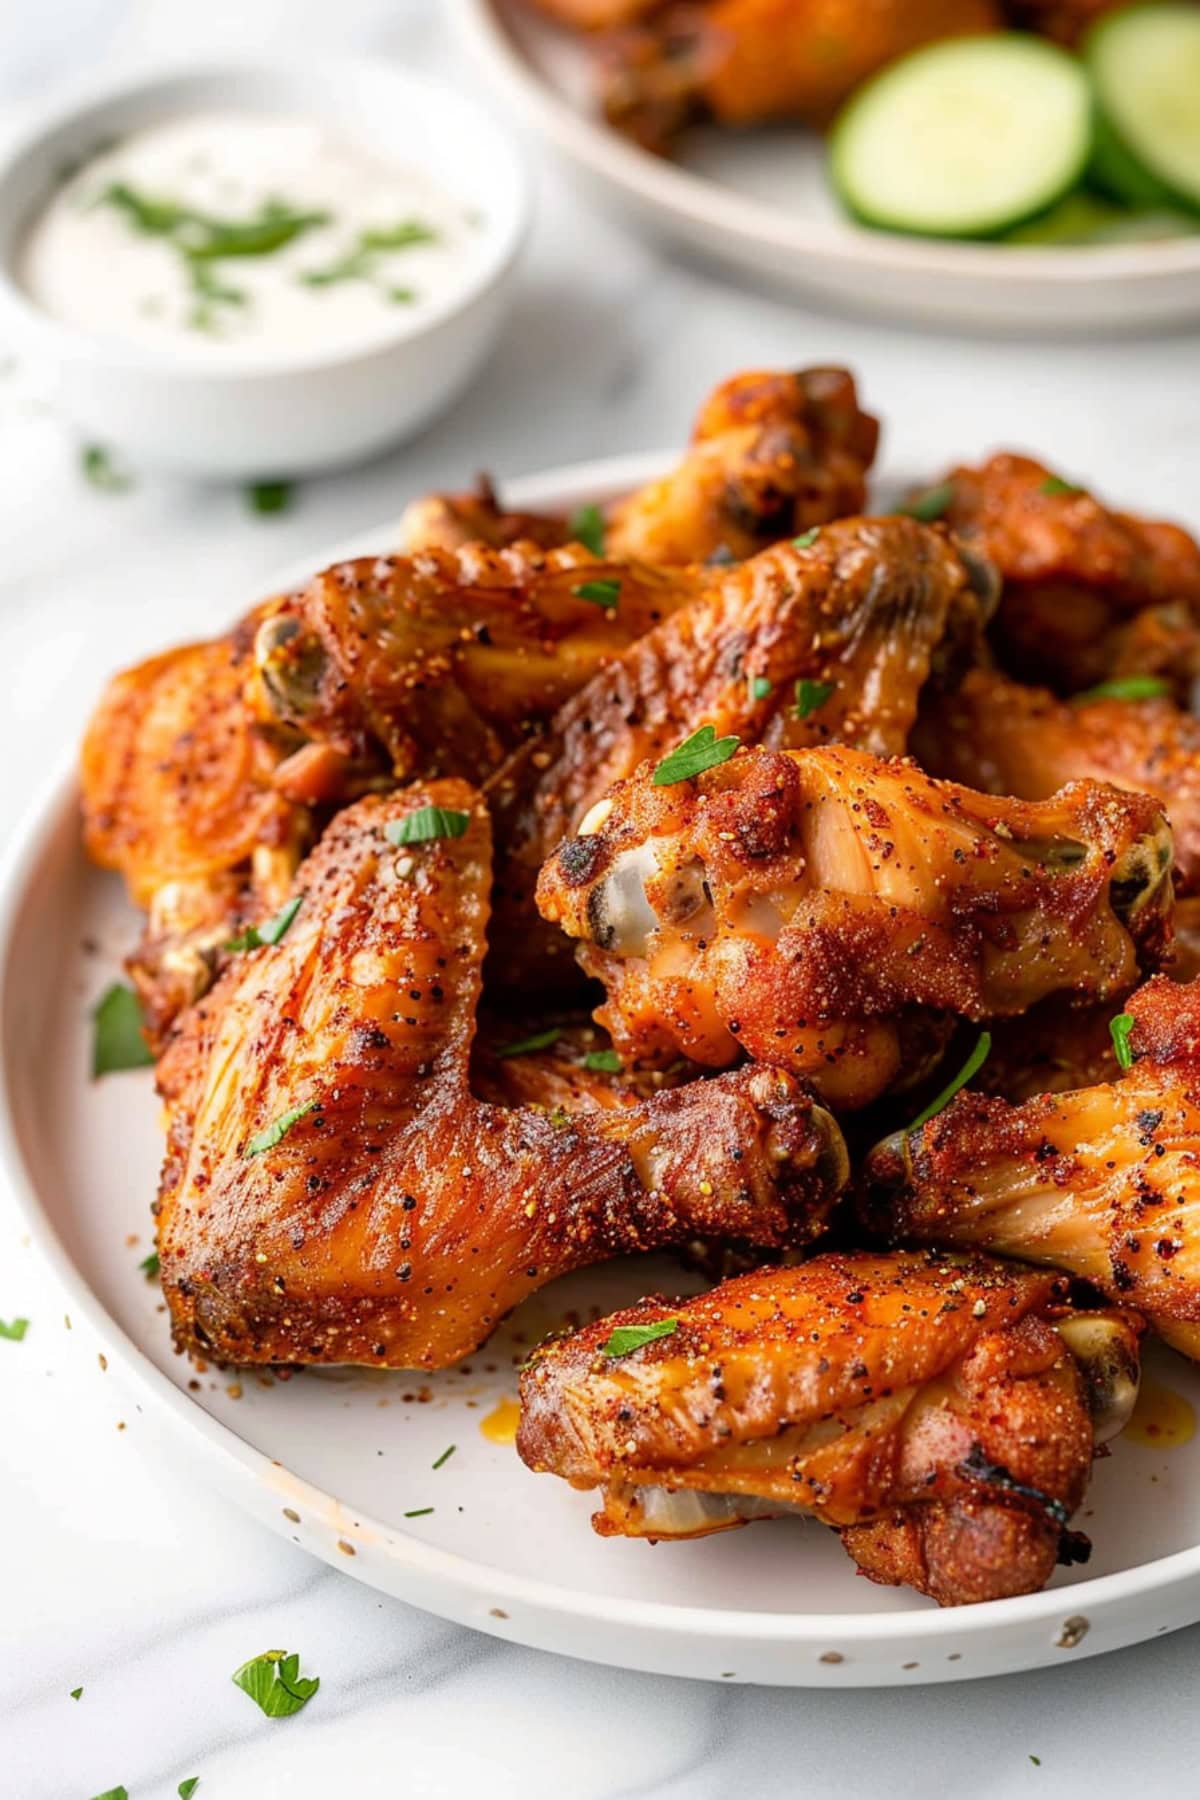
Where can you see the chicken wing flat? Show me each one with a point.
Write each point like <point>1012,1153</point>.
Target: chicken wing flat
<point>440,663</point>
<point>747,62</point>
<point>1089,594</point>
<point>772,454</point>
<point>178,796</point>
<point>332,1191</point>
<point>815,642</point>
<point>1103,1182</point>
<point>1005,738</point>
<point>802,906</point>
<point>937,1411</point>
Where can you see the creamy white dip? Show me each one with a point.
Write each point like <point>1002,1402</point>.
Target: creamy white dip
<point>337,247</point>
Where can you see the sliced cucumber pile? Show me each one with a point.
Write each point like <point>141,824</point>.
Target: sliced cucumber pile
<point>966,138</point>
<point>1145,68</point>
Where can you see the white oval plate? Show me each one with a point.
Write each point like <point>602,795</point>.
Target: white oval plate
<point>758,202</point>
<point>335,1459</point>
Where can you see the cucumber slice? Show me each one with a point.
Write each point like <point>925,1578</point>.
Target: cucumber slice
<point>1145,68</point>
<point>1084,218</point>
<point>965,138</point>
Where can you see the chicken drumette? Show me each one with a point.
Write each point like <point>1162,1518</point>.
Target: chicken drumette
<point>828,912</point>
<point>1103,1182</point>
<point>333,1192</point>
<point>937,1411</point>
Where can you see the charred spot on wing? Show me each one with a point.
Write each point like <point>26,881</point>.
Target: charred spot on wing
<point>578,859</point>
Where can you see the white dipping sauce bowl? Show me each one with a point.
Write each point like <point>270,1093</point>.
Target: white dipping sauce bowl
<point>303,412</point>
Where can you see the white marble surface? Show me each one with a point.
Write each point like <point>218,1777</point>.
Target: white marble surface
<point>115,1573</point>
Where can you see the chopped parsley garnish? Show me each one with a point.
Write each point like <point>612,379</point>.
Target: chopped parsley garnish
<point>361,262</point>
<point>117,1793</point>
<point>103,473</point>
<point>807,539</point>
<point>397,237</point>
<point>605,1062</point>
<point>811,696</point>
<point>600,593</point>
<point>625,1338</point>
<point>930,505</point>
<point>703,750</point>
<point>427,824</point>
<point>418,1512</point>
<point>541,1040</point>
<point>1035,1760</point>
<point>270,496</point>
<point>117,1040</point>
<point>14,1332</point>
<point>202,236</point>
<point>586,527</point>
<point>1054,484</point>
<point>447,1453</point>
<point>275,1132</point>
<point>150,1266</point>
<point>1120,1030</point>
<point>760,686</point>
<point>187,1788</point>
<point>76,1693</point>
<point>274,1683</point>
<point>1125,687</point>
<point>972,1066</point>
<point>270,933</point>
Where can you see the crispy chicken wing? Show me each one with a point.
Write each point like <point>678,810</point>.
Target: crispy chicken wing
<point>1005,738</point>
<point>935,1410</point>
<point>822,642</point>
<point>1088,593</point>
<point>804,906</point>
<point>745,62</point>
<point>1103,1182</point>
<point>565,1067</point>
<point>772,454</point>
<point>332,1191</point>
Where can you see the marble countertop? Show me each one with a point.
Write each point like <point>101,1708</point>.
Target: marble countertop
<point>118,1575</point>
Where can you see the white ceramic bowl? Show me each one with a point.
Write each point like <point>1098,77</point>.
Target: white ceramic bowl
<point>314,410</point>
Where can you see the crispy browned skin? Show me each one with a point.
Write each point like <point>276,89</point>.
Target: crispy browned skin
<point>1088,593</point>
<point>925,1406</point>
<point>772,454</point>
<point>802,905</point>
<point>870,611</point>
<point>398,1218</point>
<point>440,663</point>
<point>570,1075</point>
<point>745,62</point>
<point>1005,738</point>
<point>1103,1182</point>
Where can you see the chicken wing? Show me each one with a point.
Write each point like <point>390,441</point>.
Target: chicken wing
<point>772,454</point>
<point>1103,1182</point>
<point>745,62</point>
<point>1088,594</point>
<point>566,1066</point>
<point>810,907</point>
<point>1005,738</point>
<point>332,1192</point>
<point>935,1410</point>
<point>813,642</point>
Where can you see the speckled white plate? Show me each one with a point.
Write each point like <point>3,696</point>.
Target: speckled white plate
<point>336,1460</point>
<point>759,202</point>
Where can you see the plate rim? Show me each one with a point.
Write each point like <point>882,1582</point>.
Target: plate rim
<point>468,1579</point>
<point>676,191</point>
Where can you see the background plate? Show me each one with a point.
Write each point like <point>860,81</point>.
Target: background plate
<point>758,202</point>
<point>336,1459</point>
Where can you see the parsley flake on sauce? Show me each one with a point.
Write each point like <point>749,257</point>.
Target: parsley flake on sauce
<point>586,527</point>
<point>811,696</point>
<point>600,593</point>
<point>703,750</point>
<point>1120,1030</point>
<point>278,1129</point>
<point>270,933</point>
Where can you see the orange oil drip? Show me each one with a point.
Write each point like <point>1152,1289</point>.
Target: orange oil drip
<point>500,1426</point>
<point>1162,1419</point>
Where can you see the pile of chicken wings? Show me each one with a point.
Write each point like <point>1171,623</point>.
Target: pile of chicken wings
<point>726,870</point>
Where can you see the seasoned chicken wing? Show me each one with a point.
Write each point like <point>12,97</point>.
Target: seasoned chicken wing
<point>772,454</point>
<point>1103,1182</point>
<point>333,1192</point>
<point>811,907</point>
<point>937,1411</point>
<point>1088,593</point>
<point>1005,738</point>
<point>566,1067</point>
<point>815,642</point>
<point>744,62</point>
